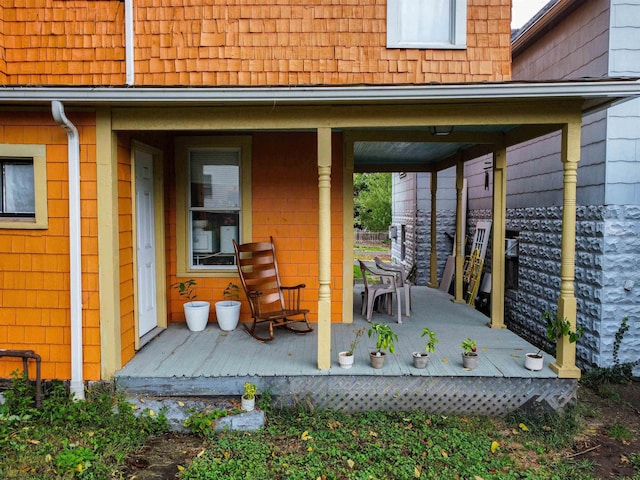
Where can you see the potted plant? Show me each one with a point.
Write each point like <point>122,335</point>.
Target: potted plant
<point>195,312</point>
<point>228,310</point>
<point>556,328</point>
<point>345,359</point>
<point>420,359</point>
<point>248,399</point>
<point>469,354</point>
<point>385,338</point>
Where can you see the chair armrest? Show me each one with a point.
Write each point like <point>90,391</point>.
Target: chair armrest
<point>295,287</point>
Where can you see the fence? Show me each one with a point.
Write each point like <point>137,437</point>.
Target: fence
<point>363,237</point>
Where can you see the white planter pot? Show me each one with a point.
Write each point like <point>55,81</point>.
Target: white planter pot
<point>228,314</point>
<point>345,361</point>
<point>248,405</point>
<point>533,361</point>
<point>197,315</point>
<point>420,359</point>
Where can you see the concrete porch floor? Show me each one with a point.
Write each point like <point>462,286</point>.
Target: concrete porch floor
<point>215,363</point>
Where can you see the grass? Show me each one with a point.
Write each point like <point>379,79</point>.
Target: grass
<point>69,439</point>
<point>92,440</point>
<point>333,445</point>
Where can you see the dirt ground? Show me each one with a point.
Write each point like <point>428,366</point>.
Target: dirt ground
<point>618,406</point>
<point>611,457</point>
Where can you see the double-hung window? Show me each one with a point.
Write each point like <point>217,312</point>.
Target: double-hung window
<point>214,193</point>
<point>433,24</point>
<point>23,187</point>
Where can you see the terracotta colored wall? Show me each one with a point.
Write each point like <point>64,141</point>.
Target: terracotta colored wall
<point>3,63</point>
<point>125,243</point>
<point>34,283</point>
<point>64,42</point>
<point>248,42</point>
<point>286,210</point>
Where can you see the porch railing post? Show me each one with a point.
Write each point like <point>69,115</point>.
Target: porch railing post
<point>324,248</point>
<point>565,364</point>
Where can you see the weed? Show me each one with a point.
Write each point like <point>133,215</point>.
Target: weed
<point>203,423</point>
<point>619,432</point>
<point>68,438</point>
<point>618,373</point>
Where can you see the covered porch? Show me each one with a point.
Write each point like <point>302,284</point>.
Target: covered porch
<point>181,363</point>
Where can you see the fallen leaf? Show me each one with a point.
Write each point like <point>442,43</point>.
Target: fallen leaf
<point>484,350</point>
<point>546,428</point>
<point>180,404</point>
<point>477,477</point>
<point>310,449</point>
<point>624,459</point>
<point>305,436</point>
<point>417,471</point>
<point>351,463</point>
<point>48,458</point>
<point>515,355</point>
<point>152,413</point>
<point>373,434</point>
<point>494,446</point>
<point>34,442</point>
<point>201,452</point>
<point>444,360</point>
<point>523,427</point>
<point>180,468</point>
<point>409,427</point>
<point>444,454</point>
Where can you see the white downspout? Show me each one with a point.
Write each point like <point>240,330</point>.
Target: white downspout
<point>77,380</point>
<point>130,74</point>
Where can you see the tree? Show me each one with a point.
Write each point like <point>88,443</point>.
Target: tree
<point>372,201</point>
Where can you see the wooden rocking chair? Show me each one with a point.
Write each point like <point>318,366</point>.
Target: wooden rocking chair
<point>270,302</point>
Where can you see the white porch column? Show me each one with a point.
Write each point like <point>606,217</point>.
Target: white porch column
<point>498,237</point>
<point>324,248</point>
<point>433,257</point>
<point>459,294</point>
<point>565,364</point>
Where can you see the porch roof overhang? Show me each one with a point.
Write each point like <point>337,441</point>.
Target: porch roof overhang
<point>400,143</point>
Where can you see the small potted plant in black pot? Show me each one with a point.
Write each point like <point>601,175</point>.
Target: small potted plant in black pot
<point>420,359</point>
<point>385,341</point>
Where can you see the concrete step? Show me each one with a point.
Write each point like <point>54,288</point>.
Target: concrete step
<point>178,409</point>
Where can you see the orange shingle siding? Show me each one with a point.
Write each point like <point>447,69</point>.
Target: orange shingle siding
<point>34,284</point>
<point>125,240</point>
<point>282,209</point>
<point>249,43</point>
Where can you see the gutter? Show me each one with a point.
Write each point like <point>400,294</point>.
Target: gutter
<point>367,94</point>
<point>77,379</point>
<point>130,74</point>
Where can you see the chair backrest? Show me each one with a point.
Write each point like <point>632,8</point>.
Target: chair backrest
<point>401,278</point>
<point>258,270</point>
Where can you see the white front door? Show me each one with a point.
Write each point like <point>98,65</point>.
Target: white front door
<point>146,243</point>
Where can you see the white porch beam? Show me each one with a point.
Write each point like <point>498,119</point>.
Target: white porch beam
<point>433,255</point>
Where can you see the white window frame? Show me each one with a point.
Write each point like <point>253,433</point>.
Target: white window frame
<point>184,229</point>
<point>457,28</point>
<point>38,155</point>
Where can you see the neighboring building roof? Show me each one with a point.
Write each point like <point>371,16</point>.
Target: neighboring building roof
<point>543,21</point>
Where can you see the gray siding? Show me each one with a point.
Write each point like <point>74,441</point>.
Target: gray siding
<point>576,48</point>
<point>624,59</point>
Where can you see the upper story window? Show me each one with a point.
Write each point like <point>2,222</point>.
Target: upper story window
<point>23,186</point>
<point>213,203</point>
<point>433,24</point>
